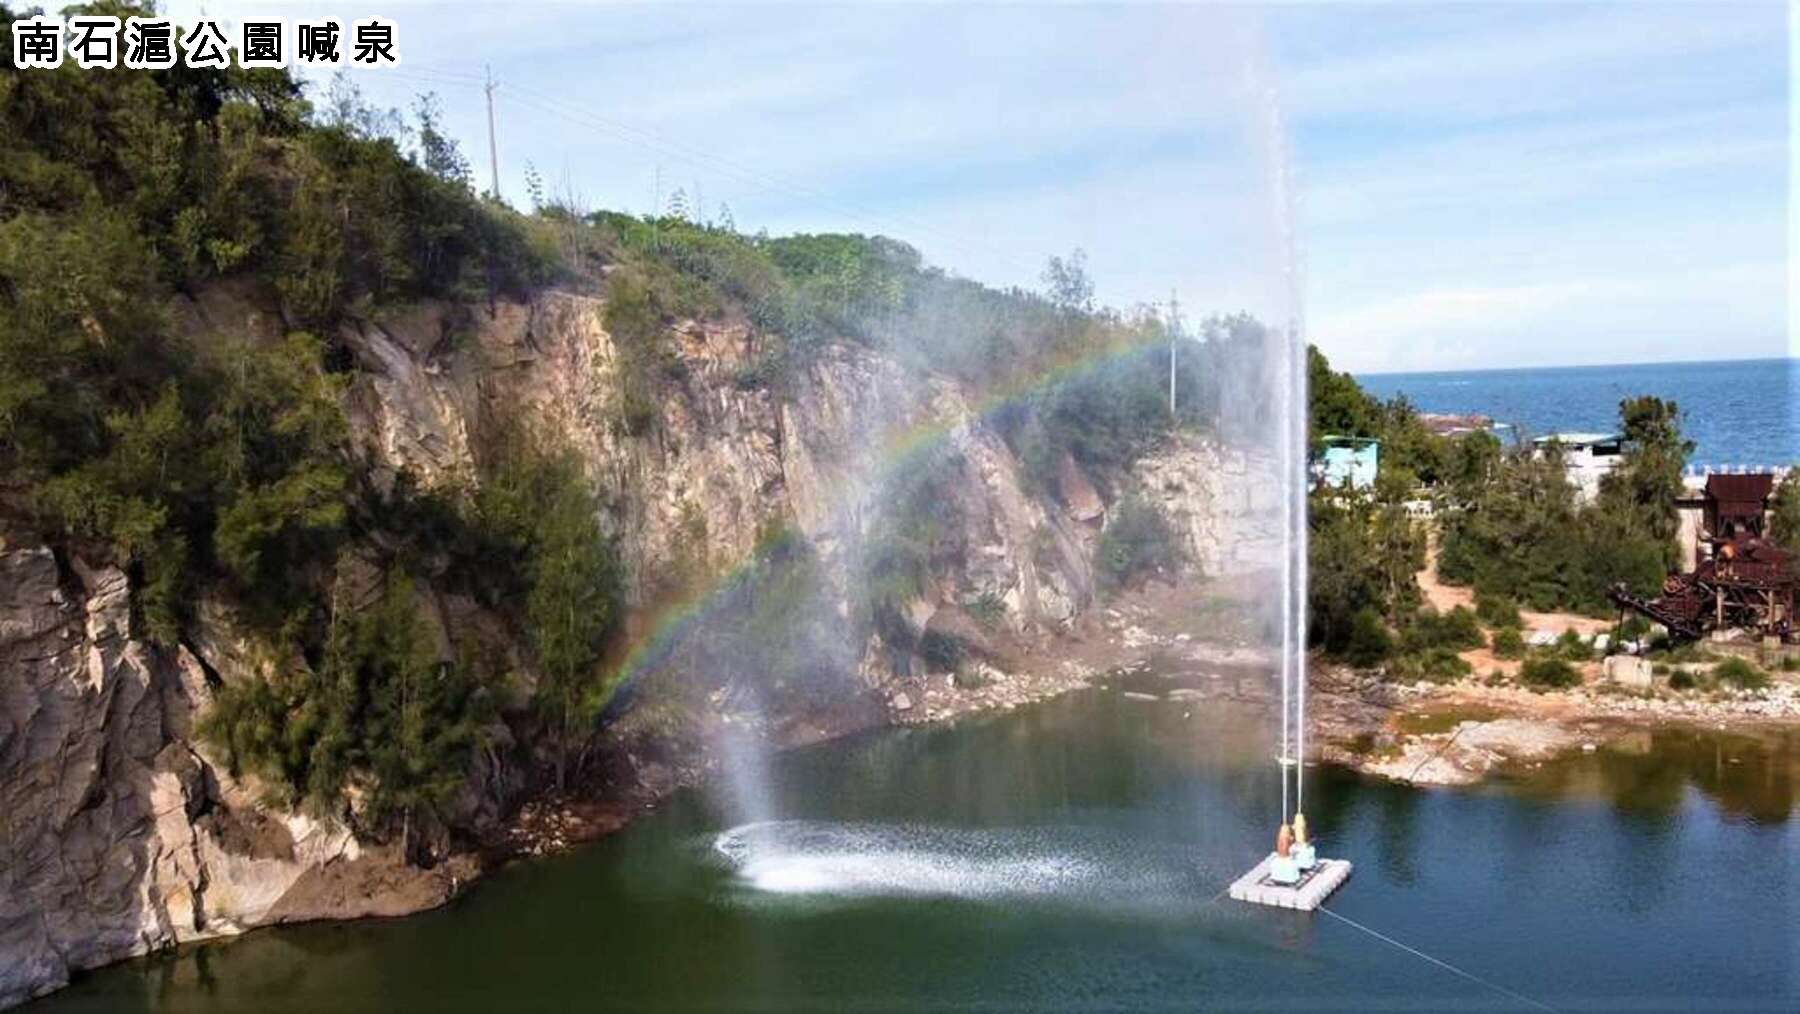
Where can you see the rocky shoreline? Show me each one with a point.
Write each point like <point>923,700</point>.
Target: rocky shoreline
<point>1461,733</point>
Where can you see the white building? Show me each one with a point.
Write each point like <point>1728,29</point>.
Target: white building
<point>1586,457</point>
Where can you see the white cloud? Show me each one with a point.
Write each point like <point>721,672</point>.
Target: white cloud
<point>1734,310</point>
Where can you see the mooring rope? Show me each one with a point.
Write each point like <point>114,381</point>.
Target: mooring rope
<point>1439,752</point>
<point>1445,965</point>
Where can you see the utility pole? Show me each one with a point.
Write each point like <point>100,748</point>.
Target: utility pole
<point>493,146</point>
<point>1174,337</point>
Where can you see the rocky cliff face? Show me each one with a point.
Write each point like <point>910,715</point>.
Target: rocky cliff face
<point>119,834</point>
<point>725,457</point>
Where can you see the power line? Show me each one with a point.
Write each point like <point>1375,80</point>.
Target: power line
<point>675,149</point>
<point>746,175</point>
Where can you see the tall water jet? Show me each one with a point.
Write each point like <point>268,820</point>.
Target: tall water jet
<point>750,791</point>
<point>1291,876</point>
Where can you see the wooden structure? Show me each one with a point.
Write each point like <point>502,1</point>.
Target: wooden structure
<point>1745,582</point>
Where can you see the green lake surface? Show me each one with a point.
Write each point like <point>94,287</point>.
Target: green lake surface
<point>1070,856</point>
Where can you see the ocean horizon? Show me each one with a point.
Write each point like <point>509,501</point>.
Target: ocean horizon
<point>1738,412</point>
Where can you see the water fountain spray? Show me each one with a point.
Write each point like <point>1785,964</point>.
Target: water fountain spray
<point>1292,876</point>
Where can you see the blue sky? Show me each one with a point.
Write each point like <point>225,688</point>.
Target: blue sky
<point>1476,186</point>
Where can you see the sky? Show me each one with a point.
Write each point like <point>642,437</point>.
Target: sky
<point>1449,186</point>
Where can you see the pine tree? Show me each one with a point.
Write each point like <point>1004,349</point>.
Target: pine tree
<point>570,607</point>
<point>439,153</point>
<point>1784,523</point>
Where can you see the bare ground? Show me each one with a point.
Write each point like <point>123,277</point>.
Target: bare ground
<point>1443,598</point>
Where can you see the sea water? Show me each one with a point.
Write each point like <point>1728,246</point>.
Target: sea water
<point>1741,412</point>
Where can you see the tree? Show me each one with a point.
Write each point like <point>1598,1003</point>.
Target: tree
<point>380,711</point>
<point>534,186</point>
<point>439,153</point>
<point>1647,483</point>
<point>1784,524</point>
<point>347,110</point>
<point>427,714</point>
<point>1338,406</point>
<point>1345,580</point>
<point>1396,542</point>
<point>1070,288</point>
<point>570,608</point>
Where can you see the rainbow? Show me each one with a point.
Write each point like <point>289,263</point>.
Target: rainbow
<point>671,622</point>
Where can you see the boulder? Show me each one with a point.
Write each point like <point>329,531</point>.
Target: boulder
<point>1629,671</point>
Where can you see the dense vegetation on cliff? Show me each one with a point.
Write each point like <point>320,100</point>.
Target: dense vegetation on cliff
<point>221,469</point>
<point>1511,527</point>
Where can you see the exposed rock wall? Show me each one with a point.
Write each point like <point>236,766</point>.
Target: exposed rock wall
<point>726,457</point>
<point>1225,503</point>
<point>119,834</point>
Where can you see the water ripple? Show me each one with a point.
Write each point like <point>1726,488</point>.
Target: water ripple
<point>849,860</point>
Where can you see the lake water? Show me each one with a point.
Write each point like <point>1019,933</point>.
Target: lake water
<point>1066,856</point>
<point>1742,412</point>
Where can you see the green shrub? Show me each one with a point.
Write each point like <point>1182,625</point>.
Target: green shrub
<point>916,523</point>
<point>1369,643</point>
<point>1498,611</point>
<point>1509,643</point>
<point>1682,679</point>
<point>1436,665</point>
<point>1457,630</point>
<point>970,677</point>
<point>1574,647</point>
<point>640,307</point>
<point>1136,541</point>
<point>1740,673</point>
<point>941,652</point>
<point>1548,672</point>
<point>1678,654</point>
<point>987,609</point>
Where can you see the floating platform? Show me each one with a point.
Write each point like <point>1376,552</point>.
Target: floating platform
<point>1314,887</point>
